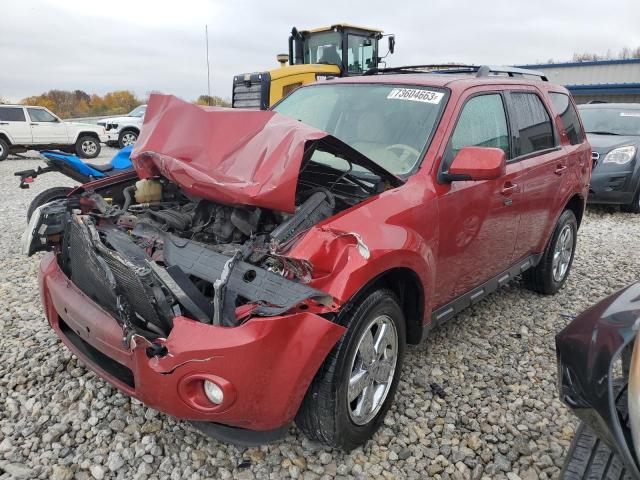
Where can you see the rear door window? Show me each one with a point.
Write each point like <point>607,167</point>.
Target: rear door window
<point>569,117</point>
<point>533,123</point>
<point>482,123</point>
<point>12,114</point>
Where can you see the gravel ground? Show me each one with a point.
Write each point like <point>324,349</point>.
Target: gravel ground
<point>500,417</point>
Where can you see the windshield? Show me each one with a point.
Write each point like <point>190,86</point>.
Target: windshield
<point>615,121</point>
<point>323,47</point>
<point>138,111</point>
<point>391,125</point>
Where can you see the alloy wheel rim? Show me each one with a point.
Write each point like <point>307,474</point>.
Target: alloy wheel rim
<point>562,253</point>
<point>89,147</point>
<point>1,150</point>
<point>128,139</point>
<point>373,366</point>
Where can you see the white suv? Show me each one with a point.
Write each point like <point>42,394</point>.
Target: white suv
<point>124,131</point>
<point>25,128</point>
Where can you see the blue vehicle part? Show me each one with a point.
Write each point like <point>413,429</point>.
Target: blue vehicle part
<point>73,167</point>
<point>122,160</point>
<point>74,162</point>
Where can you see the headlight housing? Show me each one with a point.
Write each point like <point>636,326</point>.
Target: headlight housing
<point>621,155</point>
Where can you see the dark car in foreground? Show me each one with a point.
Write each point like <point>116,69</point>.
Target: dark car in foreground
<point>599,379</point>
<point>261,266</point>
<point>613,130</point>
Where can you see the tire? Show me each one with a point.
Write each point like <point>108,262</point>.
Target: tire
<point>325,414</point>
<point>634,206</point>
<point>127,137</point>
<point>87,146</point>
<point>589,457</point>
<point>47,196</point>
<point>545,278</point>
<point>4,150</point>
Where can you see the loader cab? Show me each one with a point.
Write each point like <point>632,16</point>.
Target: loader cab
<point>353,49</point>
<point>334,51</point>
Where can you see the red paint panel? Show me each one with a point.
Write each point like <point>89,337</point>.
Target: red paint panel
<point>267,363</point>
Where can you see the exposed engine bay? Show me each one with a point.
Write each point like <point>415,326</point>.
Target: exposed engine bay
<point>148,251</point>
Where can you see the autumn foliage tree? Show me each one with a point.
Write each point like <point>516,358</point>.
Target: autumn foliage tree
<point>67,104</point>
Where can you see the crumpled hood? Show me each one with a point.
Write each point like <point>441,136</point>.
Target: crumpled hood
<point>232,156</point>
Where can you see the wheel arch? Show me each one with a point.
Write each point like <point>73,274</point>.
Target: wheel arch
<point>130,128</point>
<point>89,133</point>
<point>4,137</point>
<point>407,286</point>
<point>577,205</point>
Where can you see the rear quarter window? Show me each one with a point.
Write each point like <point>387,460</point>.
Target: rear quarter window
<point>12,114</point>
<point>564,107</point>
<point>533,123</point>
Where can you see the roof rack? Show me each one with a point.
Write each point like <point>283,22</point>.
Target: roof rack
<point>452,68</point>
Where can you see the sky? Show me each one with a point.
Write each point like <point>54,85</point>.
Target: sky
<point>159,45</point>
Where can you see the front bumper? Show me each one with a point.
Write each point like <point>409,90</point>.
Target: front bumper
<point>112,135</point>
<point>264,366</point>
<point>613,185</point>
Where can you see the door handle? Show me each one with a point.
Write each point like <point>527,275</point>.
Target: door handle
<point>4,123</point>
<point>560,169</point>
<point>509,188</point>
<point>34,123</point>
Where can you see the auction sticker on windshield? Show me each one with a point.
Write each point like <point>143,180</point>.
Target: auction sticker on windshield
<point>415,95</point>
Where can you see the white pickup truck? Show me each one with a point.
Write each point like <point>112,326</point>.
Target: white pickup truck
<point>25,128</point>
<point>124,131</point>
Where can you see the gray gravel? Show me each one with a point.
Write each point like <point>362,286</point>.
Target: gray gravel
<point>500,417</point>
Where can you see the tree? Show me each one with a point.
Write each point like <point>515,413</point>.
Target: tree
<point>212,101</point>
<point>78,103</point>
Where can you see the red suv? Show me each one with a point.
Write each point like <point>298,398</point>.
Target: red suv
<point>260,267</point>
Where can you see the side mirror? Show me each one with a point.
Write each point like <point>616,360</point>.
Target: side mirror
<point>392,43</point>
<point>477,163</point>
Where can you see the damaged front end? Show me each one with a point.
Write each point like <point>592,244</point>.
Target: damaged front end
<point>172,255</point>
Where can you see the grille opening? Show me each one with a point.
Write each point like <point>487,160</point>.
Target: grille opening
<point>113,368</point>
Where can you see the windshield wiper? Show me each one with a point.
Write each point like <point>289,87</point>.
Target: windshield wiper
<point>601,132</point>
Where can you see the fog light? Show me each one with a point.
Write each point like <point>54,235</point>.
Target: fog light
<point>213,392</point>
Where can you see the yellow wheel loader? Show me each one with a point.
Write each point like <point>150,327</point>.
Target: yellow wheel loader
<point>335,51</point>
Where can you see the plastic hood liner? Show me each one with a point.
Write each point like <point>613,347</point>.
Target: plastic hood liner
<point>238,157</point>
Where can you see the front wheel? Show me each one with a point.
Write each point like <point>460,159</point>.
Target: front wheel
<point>126,138</point>
<point>87,146</point>
<point>553,269</point>
<point>49,195</point>
<point>353,390</point>
<point>4,150</point>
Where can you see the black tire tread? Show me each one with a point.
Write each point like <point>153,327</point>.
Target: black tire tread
<point>78,146</point>
<point>590,458</point>
<point>316,415</point>
<point>47,196</point>
<point>537,278</point>
<point>5,150</point>
<point>119,142</point>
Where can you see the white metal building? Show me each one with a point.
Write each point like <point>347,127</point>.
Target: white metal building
<point>605,80</point>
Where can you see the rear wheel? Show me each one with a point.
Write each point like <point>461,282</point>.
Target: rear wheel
<point>353,390</point>
<point>126,138</point>
<point>553,269</point>
<point>634,206</point>
<point>87,146</point>
<point>49,195</point>
<point>4,150</point>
